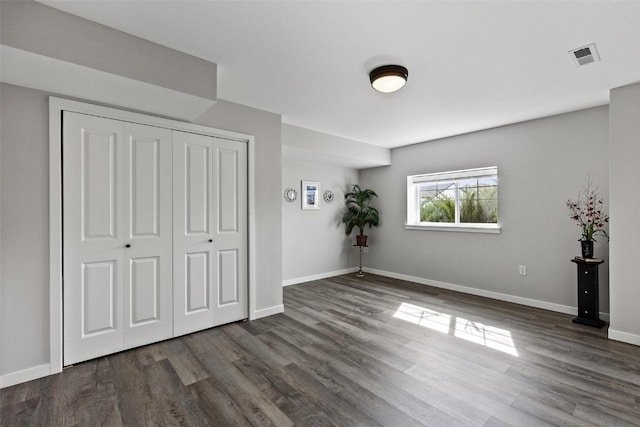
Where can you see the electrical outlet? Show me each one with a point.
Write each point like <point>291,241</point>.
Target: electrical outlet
<point>523,270</point>
<point>365,250</point>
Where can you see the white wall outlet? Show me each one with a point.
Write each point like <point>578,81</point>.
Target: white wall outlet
<point>523,270</point>
<point>365,250</point>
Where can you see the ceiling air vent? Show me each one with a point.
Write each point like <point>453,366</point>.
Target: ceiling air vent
<point>585,55</point>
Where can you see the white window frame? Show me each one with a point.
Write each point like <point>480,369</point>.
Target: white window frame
<point>413,207</point>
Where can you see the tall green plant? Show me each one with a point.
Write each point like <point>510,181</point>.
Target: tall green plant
<point>359,212</point>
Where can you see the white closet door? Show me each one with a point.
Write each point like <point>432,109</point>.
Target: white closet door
<point>231,233</point>
<point>93,237</point>
<point>210,232</point>
<point>117,236</point>
<point>147,226</point>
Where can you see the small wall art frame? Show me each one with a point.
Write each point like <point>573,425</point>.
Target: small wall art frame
<point>310,195</point>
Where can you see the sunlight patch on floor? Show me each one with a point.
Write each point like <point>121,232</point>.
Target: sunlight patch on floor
<point>424,317</point>
<point>475,332</point>
<point>488,336</point>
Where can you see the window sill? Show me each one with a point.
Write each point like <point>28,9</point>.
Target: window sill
<point>489,228</point>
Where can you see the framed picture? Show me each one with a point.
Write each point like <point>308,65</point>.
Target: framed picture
<point>310,195</point>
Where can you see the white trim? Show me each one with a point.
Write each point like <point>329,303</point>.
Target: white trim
<point>468,228</point>
<point>29,374</point>
<point>251,181</point>
<point>56,106</point>
<point>452,175</point>
<point>269,311</point>
<point>144,119</point>
<point>55,234</point>
<point>413,201</point>
<point>566,309</point>
<point>313,277</point>
<point>625,337</point>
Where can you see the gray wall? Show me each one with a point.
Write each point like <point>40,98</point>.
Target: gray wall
<point>24,221</point>
<point>319,147</point>
<point>541,164</point>
<point>314,243</point>
<point>625,207</point>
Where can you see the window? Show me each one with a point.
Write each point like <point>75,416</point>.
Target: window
<point>465,200</point>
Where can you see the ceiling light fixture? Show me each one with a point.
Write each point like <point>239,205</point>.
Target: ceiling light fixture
<point>388,78</point>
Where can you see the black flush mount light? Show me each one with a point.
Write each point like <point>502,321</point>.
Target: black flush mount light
<point>388,78</point>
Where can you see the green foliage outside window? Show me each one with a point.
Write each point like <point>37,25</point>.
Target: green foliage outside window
<point>441,208</point>
<point>478,204</point>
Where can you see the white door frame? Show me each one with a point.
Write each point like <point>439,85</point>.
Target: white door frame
<point>56,107</point>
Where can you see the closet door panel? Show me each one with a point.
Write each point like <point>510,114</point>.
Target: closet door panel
<point>231,234</point>
<point>93,236</point>
<point>144,185</point>
<point>197,282</point>
<point>198,201</point>
<point>145,290</point>
<point>229,194</point>
<point>148,258</point>
<point>193,219</point>
<point>99,289</point>
<point>99,185</point>
<point>229,277</point>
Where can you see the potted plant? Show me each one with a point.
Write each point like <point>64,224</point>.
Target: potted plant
<point>588,212</point>
<point>360,213</point>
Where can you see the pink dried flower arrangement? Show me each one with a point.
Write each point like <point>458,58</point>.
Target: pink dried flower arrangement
<point>588,211</point>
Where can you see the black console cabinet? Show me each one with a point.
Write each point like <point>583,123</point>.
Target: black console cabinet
<point>588,300</point>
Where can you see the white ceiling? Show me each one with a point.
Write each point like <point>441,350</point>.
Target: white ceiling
<point>472,65</point>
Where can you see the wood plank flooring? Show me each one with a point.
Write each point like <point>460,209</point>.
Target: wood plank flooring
<point>354,352</point>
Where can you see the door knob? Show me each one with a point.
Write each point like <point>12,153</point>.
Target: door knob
<point>210,240</point>
<point>127,245</point>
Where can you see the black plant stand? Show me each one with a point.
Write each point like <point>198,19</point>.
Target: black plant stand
<point>588,299</point>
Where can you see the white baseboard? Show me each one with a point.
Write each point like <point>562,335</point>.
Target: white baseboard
<point>566,309</point>
<point>313,277</point>
<point>264,312</point>
<point>13,378</point>
<point>624,337</point>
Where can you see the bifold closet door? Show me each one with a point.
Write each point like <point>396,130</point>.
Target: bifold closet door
<point>148,261</point>
<point>209,232</point>
<point>117,236</point>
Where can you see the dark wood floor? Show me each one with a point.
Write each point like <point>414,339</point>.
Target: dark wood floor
<point>355,352</point>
